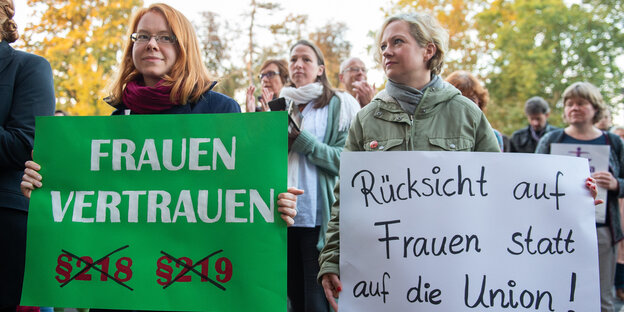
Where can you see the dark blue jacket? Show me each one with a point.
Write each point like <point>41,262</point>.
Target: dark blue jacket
<point>616,167</point>
<point>209,103</point>
<point>26,91</point>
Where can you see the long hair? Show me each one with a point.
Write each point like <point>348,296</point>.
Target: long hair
<point>189,78</point>
<point>328,91</point>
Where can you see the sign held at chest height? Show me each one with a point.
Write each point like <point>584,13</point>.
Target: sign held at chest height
<point>163,211</point>
<point>465,231</point>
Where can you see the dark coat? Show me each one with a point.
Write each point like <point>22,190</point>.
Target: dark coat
<point>522,142</point>
<point>26,91</point>
<point>616,167</point>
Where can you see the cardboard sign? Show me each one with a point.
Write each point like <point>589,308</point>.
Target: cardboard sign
<point>439,231</point>
<point>598,158</point>
<point>159,212</point>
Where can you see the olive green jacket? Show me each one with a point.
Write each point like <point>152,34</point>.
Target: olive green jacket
<point>444,121</point>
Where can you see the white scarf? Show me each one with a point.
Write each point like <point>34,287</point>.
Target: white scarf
<point>303,95</point>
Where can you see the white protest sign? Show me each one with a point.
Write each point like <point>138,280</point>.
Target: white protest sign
<point>598,158</point>
<point>439,231</point>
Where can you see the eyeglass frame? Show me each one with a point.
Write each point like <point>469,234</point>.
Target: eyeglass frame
<point>134,38</point>
<point>354,69</point>
<point>269,74</point>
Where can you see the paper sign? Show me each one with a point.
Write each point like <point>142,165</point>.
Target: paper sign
<point>440,231</point>
<point>598,157</point>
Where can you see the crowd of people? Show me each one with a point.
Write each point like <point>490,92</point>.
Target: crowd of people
<point>161,72</point>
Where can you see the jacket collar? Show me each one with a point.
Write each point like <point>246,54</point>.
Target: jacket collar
<point>6,54</point>
<point>432,97</point>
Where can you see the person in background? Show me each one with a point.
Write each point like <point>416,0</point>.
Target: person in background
<point>324,116</point>
<point>156,77</point>
<point>60,112</point>
<point>471,88</point>
<point>273,77</point>
<point>619,266</point>
<point>353,77</point>
<point>606,122</point>
<point>537,112</point>
<point>416,105</point>
<point>26,90</point>
<point>583,107</point>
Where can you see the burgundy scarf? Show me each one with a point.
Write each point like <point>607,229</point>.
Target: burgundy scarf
<point>147,100</point>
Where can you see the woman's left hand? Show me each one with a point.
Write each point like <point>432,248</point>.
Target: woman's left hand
<point>605,180</point>
<point>287,204</point>
<point>590,184</point>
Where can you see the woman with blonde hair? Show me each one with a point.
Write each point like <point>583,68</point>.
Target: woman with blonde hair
<point>583,107</point>
<point>416,106</point>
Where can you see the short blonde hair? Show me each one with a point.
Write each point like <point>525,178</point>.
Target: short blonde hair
<point>589,92</point>
<point>189,78</point>
<point>425,29</point>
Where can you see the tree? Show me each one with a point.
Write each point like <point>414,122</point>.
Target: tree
<point>330,39</point>
<point>81,40</point>
<point>539,47</point>
<point>217,53</point>
<point>456,16</point>
<point>251,49</point>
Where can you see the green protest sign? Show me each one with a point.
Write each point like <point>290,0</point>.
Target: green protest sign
<point>159,212</point>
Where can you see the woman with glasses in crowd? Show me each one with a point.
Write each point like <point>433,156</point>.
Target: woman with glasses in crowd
<point>273,77</point>
<point>324,116</point>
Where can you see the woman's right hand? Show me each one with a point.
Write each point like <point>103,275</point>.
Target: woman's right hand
<point>332,286</point>
<point>31,178</point>
<point>250,101</point>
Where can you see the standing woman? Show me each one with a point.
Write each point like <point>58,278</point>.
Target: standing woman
<point>273,77</point>
<point>417,111</point>
<point>583,106</point>
<point>26,91</point>
<point>313,162</point>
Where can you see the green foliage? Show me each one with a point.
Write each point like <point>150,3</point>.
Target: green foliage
<point>539,47</point>
<point>524,48</point>
<point>80,39</point>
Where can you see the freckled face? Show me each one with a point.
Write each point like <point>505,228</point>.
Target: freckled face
<point>304,67</point>
<point>153,59</point>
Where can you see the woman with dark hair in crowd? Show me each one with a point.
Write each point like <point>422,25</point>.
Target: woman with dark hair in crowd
<point>273,77</point>
<point>324,116</point>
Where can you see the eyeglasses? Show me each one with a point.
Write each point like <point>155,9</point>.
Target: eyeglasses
<point>145,37</point>
<point>355,69</point>
<point>269,75</point>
